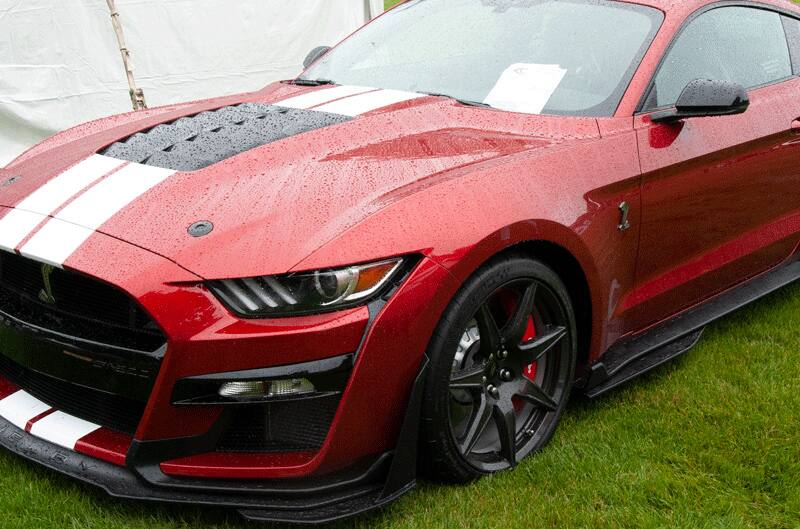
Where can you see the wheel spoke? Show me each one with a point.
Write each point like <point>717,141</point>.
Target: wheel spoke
<point>478,422</point>
<point>534,350</point>
<point>469,379</point>
<point>490,333</point>
<point>490,393</point>
<point>537,396</point>
<point>506,422</point>
<point>514,332</point>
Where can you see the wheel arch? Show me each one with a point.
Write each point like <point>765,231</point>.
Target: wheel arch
<point>560,249</point>
<point>567,267</point>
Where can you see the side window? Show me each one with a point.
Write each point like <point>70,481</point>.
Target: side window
<point>740,44</point>
<point>792,27</point>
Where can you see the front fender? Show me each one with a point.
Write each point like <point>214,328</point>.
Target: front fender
<point>462,220</point>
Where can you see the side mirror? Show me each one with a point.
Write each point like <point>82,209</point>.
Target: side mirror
<point>315,54</point>
<point>703,98</point>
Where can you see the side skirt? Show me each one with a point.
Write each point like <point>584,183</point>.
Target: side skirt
<point>640,354</point>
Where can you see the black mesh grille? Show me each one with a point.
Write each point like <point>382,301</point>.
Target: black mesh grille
<point>111,411</point>
<point>280,427</point>
<point>83,307</point>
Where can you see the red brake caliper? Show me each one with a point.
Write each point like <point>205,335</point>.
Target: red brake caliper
<point>530,334</point>
<point>509,304</point>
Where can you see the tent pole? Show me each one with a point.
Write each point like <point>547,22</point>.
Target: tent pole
<point>137,94</point>
<point>367,11</point>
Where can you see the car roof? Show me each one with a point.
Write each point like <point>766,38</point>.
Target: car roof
<point>686,7</point>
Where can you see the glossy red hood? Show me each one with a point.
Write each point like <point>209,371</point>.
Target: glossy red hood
<point>274,205</point>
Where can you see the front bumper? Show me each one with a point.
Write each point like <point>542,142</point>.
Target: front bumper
<point>368,457</point>
<point>301,501</point>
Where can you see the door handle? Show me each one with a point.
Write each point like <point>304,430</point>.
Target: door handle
<point>796,126</point>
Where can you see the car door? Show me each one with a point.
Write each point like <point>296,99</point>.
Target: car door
<point>720,195</point>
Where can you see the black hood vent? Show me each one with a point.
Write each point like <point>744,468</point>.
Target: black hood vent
<point>195,142</point>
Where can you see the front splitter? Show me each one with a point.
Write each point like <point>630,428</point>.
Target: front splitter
<point>286,501</point>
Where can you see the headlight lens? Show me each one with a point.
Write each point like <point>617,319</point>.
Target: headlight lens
<point>306,293</point>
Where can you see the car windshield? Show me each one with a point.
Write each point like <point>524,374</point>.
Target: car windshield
<point>564,57</point>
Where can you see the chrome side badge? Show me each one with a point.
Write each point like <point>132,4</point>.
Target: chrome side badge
<point>624,223</point>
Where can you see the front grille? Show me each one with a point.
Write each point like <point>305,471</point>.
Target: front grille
<point>293,426</point>
<point>112,411</point>
<point>81,307</point>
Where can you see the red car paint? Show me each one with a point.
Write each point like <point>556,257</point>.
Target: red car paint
<point>712,202</point>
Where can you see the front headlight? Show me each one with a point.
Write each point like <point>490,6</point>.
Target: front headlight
<point>307,292</point>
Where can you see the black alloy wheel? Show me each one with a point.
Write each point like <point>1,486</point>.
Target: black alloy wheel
<point>502,367</point>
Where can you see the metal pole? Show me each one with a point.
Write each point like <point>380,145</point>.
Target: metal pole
<point>367,11</point>
<point>137,94</point>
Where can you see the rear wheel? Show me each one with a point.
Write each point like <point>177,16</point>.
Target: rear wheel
<point>502,366</point>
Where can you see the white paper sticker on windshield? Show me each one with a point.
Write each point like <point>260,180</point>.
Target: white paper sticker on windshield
<point>526,87</point>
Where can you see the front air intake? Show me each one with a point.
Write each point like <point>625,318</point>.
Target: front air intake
<point>293,426</point>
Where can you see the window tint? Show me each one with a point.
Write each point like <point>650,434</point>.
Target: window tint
<point>792,26</point>
<point>740,44</point>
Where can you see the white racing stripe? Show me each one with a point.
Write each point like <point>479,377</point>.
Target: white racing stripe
<point>72,226</point>
<point>54,193</point>
<point>55,242</point>
<point>29,213</point>
<point>16,225</point>
<point>106,199</point>
<point>367,102</point>
<point>58,428</point>
<point>320,97</point>
<point>62,429</point>
<point>20,407</point>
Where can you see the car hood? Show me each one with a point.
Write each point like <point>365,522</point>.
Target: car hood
<point>273,201</point>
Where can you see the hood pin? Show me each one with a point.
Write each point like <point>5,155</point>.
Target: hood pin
<point>201,228</point>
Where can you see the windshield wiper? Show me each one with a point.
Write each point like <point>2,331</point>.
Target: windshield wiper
<point>311,82</point>
<point>466,102</point>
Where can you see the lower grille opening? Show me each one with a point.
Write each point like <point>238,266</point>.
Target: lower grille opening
<point>293,426</point>
<point>112,411</point>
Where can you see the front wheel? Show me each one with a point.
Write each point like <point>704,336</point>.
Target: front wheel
<point>502,366</point>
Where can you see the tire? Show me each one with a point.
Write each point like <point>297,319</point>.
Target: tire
<point>485,406</point>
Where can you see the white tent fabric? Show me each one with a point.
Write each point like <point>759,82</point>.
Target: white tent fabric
<point>60,63</point>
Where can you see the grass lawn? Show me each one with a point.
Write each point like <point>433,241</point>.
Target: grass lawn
<point>709,441</point>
